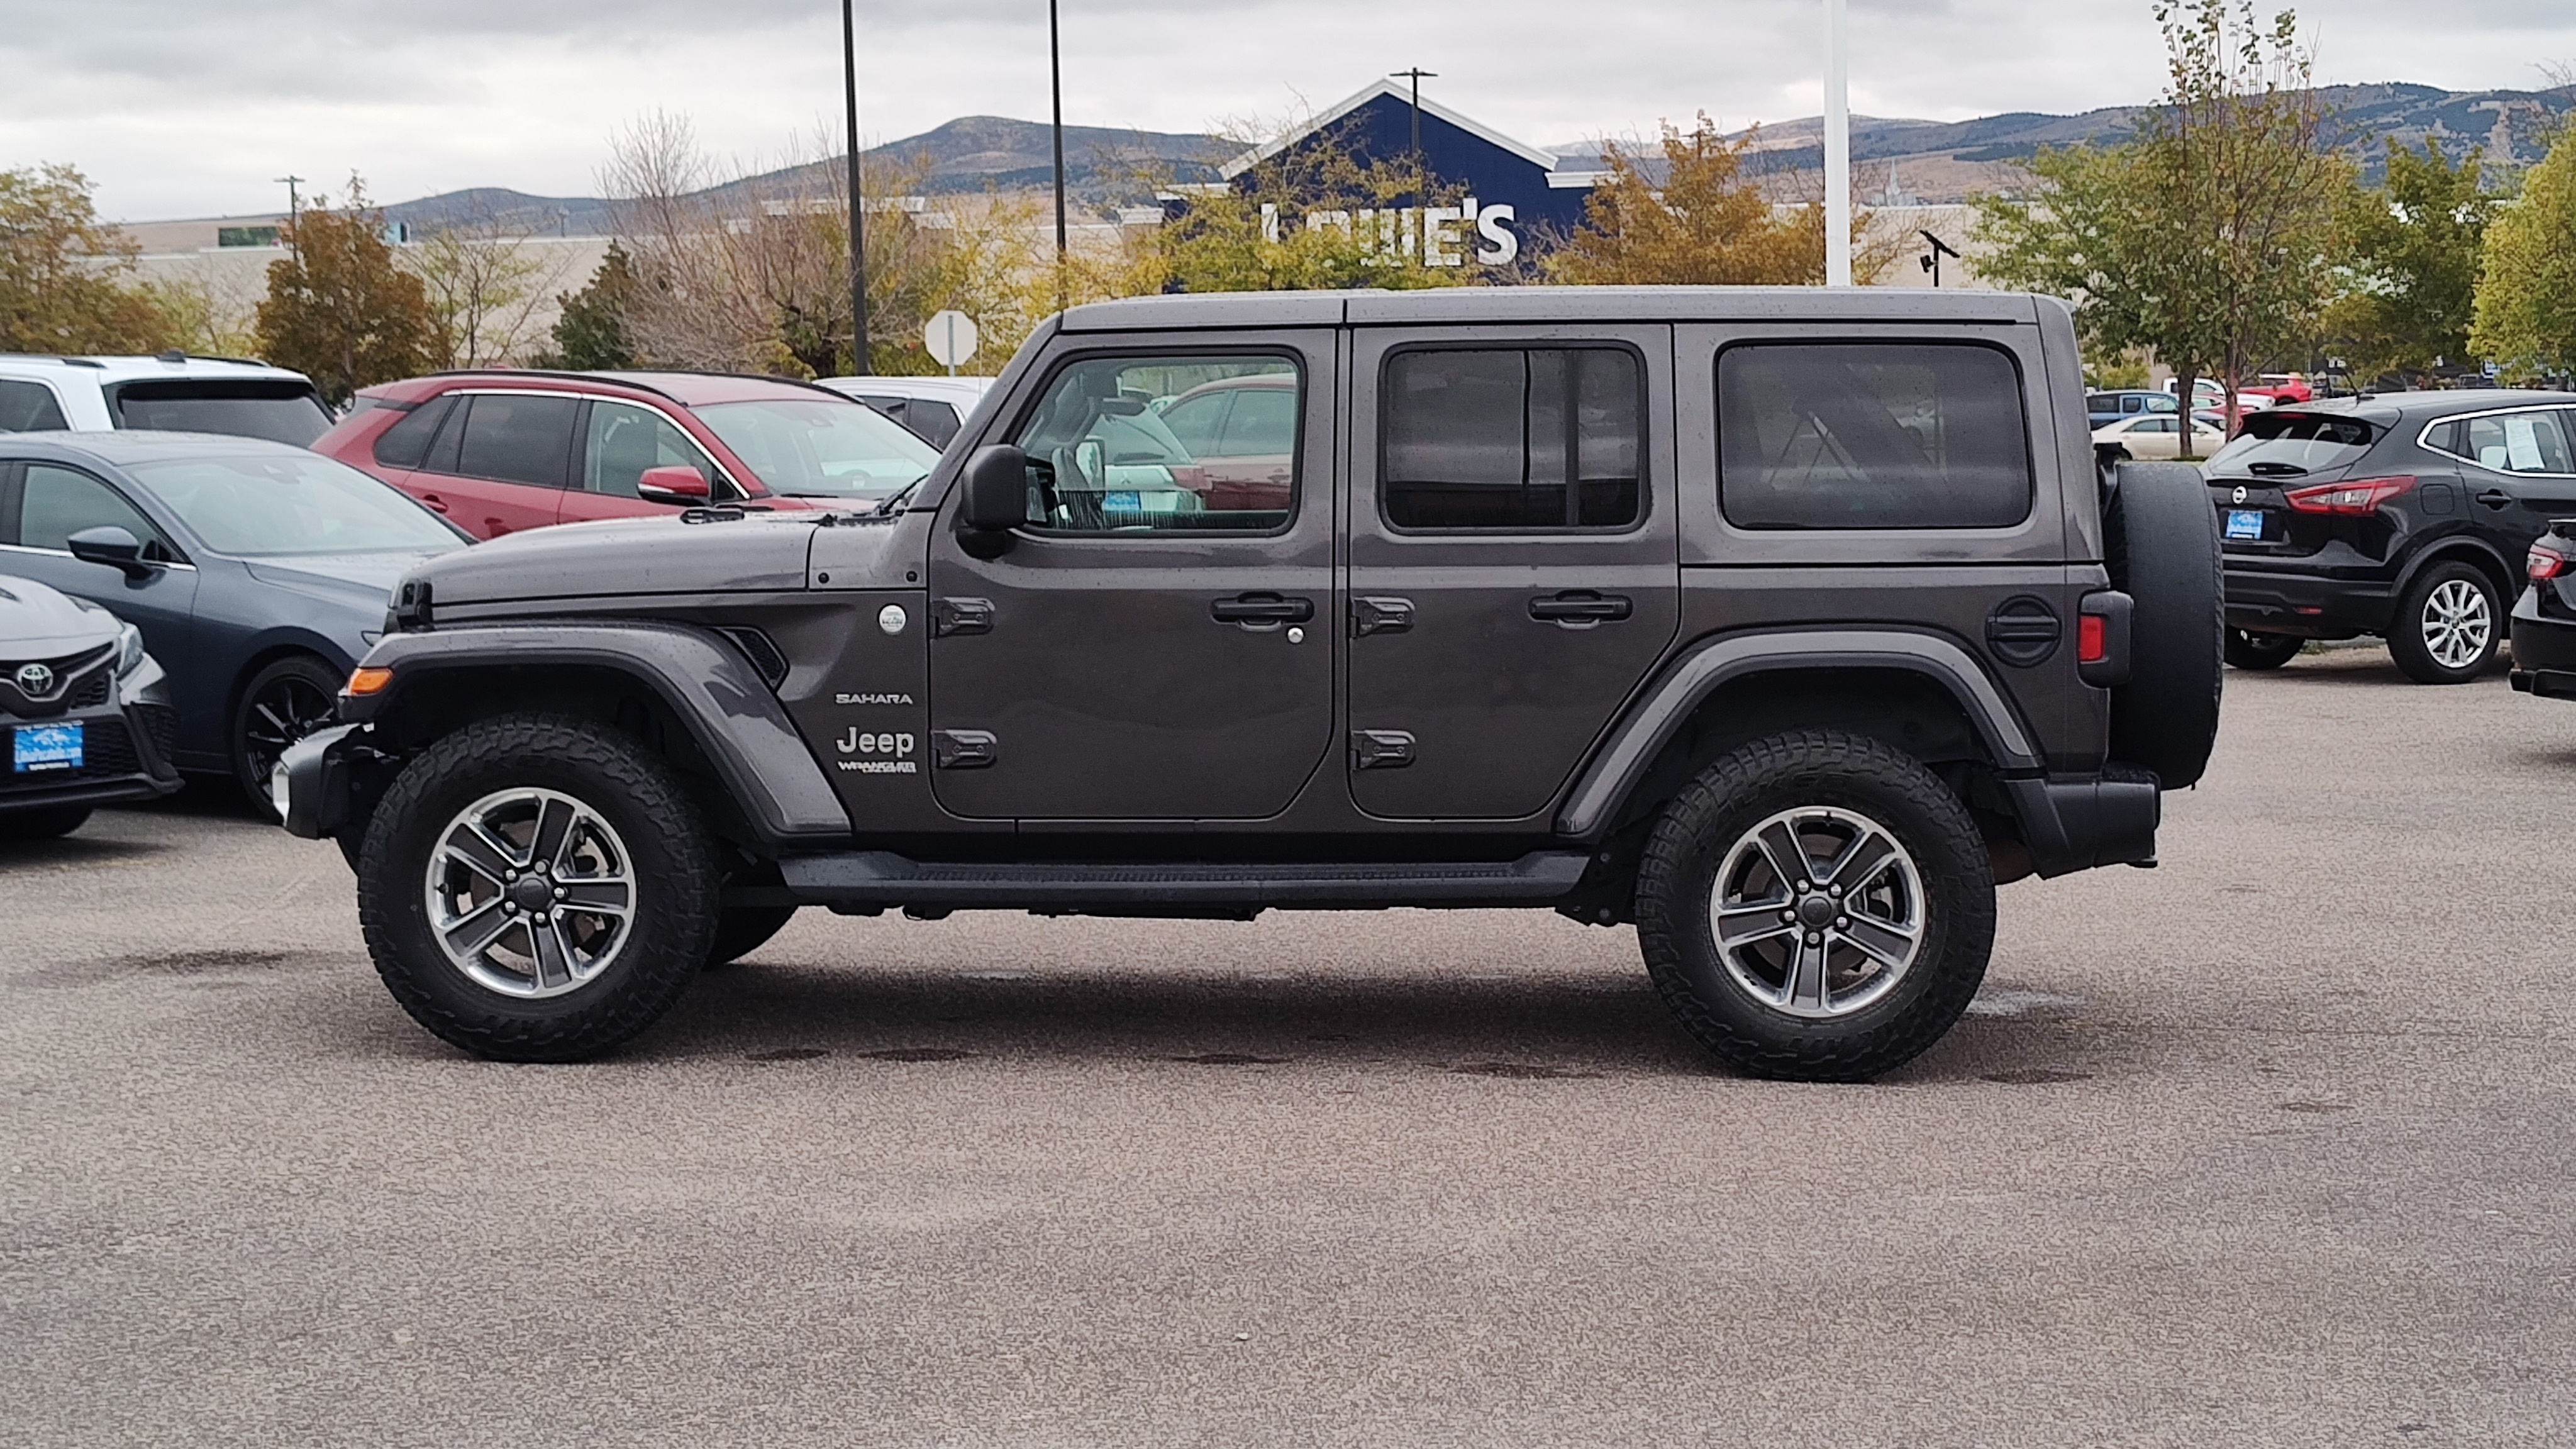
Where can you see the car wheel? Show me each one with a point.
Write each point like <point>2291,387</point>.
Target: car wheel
<point>285,701</point>
<point>2160,545</point>
<point>1816,906</point>
<point>537,888</point>
<point>2247,650</point>
<point>2446,630</point>
<point>49,823</point>
<point>745,929</point>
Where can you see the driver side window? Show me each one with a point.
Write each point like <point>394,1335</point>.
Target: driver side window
<point>1128,445</point>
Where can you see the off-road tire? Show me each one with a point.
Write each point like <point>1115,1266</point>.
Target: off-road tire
<point>741,930</point>
<point>2407,643</point>
<point>1684,852</point>
<point>251,737</point>
<point>676,872</point>
<point>2248,650</point>
<point>51,822</point>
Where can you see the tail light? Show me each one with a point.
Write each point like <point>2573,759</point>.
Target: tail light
<point>2546,563</point>
<point>2362,495</point>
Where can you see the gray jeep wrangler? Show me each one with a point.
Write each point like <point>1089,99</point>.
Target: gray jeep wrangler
<point>1781,624</point>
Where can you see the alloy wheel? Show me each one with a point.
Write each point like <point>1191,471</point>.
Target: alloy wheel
<point>284,710</point>
<point>1817,912</point>
<point>531,893</point>
<point>2458,623</point>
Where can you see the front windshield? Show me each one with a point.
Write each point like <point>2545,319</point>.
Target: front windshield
<point>821,447</point>
<point>2285,445</point>
<point>263,505</point>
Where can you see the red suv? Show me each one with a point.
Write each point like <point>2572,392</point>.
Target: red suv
<point>500,451</point>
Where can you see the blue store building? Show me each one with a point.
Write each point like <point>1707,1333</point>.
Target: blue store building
<point>1516,198</point>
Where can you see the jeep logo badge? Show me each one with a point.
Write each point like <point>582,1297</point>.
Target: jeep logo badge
<point>35,680</point>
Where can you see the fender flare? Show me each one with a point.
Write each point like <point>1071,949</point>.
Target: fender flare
<point>1651,723</point>
<point>2465,543</point>
<point>728,709</point>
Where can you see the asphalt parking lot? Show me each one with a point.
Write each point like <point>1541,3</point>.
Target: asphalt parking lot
<point>2271,1145</point>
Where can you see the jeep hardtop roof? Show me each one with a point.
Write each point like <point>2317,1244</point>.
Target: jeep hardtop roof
<point>1554,304</point>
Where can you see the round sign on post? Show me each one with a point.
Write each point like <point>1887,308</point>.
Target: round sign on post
<point>950,336</point>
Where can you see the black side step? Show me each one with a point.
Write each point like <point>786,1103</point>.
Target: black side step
<point>881,878</point>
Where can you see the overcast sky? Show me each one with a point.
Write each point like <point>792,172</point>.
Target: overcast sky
<point>188,108</point>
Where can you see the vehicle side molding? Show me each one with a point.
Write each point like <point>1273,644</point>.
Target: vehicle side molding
<point>1668,703</point>
<point>729,710</point>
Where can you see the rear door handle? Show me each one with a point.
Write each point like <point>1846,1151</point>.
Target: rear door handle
<point>1578,607</point>
<point>2495,498</point>
<point>433,503</point>
<point>1380,615</point>
<point>1256,611</point>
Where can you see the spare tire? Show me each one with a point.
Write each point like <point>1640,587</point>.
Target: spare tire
<point>2160,543</point>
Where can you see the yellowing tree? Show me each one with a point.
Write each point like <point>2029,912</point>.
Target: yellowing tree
<point>339,309</point>
<point>1706,224</point>
<point>65,279</point>
<point>2526,307</point>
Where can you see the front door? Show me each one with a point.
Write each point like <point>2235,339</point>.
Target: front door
<point>42,505</point>
<point>1514,570</point>
<point>1148,647</point>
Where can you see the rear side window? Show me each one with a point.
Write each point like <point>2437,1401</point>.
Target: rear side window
<point>282,412</point>
<point>406,443</point>
<point>2528,442</point>
<point>29,407</point>
<point>517,438</point>
<point>1871,435</point>
<point>1510,438</point>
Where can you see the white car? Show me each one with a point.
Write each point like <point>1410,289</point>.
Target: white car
<point>934,408</point>
<point>2159,435</point>
<point>172,392</point>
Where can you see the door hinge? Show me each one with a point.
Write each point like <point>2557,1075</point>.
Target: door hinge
<point>1381,749</point>
<point>1380,615</point>
<point>963,749</point>
<point>960,616</point>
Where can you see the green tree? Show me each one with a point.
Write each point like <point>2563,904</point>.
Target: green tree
<point>2413,247</point>
<point>339,309</point>
<point>2526,299</point>
<point>1706,224</point>
<point>590,335</point>
<point>66,280</point>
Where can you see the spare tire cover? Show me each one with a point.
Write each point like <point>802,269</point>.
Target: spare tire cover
<point>2160,543</point>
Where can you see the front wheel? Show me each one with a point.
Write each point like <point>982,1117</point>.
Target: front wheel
<point>2246,650</point>
<point>286,700</point>
<point>2446,628</point>
<point>1816,906</point>
<point>537,888</point>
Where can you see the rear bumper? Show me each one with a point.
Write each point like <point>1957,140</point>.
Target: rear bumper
<point>2088,821</point>
<point>2544,651</point>
<point>2274,601</point>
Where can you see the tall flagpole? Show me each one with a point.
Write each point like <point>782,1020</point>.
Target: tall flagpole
<point>1838,215</point>
<point>859,363</point>
<point>1055,86</point>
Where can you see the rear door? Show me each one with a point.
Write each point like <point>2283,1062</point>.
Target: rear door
<point>500,461</point>
<point>2525,471</point>
<point>1514,567</point>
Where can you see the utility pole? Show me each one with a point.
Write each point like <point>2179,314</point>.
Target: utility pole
<point>1055,82</point>
<point>1837,151</point>
<point>859,362</point>
<point>1417,75</point>
<point>294,203</point>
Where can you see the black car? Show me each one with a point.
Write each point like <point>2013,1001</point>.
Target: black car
<point>2403,515</point>
<point>257,572</point>
<point>2544,621</point>
<point>85,715</point>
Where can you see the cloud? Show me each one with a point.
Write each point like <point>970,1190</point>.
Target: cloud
<point>180,109</point>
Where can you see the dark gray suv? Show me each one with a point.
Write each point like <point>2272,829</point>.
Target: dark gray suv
<point>1780,624</point>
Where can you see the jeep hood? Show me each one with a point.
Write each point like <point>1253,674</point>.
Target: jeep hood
<point>728,553</point>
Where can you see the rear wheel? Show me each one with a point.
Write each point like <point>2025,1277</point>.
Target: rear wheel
<point>51,822</point>
<point>285,701</point>
<point>537,888</point>
<point>2247,650</point>
<point>2446,630</point>
<point>1816,906</point>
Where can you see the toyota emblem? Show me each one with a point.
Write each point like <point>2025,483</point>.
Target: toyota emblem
<point>35,680</point>
<point>2240,492</point>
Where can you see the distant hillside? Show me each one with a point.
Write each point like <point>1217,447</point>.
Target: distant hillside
<point>1945,161</point>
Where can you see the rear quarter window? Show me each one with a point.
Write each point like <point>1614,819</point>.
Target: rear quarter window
<point>1871,435</point>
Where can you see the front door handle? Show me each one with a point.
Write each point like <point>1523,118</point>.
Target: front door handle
<point>2495,498</point>
<point>1381,749</point>
<point>1579,607</point>
<point>1380,615</point>
<point>1262,611</point>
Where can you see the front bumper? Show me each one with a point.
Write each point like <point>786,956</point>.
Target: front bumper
<point>2274,601</point>
<point>323,771</point>
<point>126,744</point>
<point>2544,651</point>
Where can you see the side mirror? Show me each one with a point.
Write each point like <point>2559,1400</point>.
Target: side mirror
<point>996,486</point>
<point>113,547</point>
<point>676,483</point>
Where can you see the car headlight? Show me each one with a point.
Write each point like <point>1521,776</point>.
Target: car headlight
<point>129,650</point>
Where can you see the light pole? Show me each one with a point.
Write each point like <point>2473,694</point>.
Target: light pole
<point>1055,84</point>
<point>1932,258</point>
<point>859,361</point>
<point>294,207</point>
<point>1837,151</point>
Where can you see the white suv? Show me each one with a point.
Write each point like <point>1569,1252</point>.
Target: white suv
<point>169,393</point>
